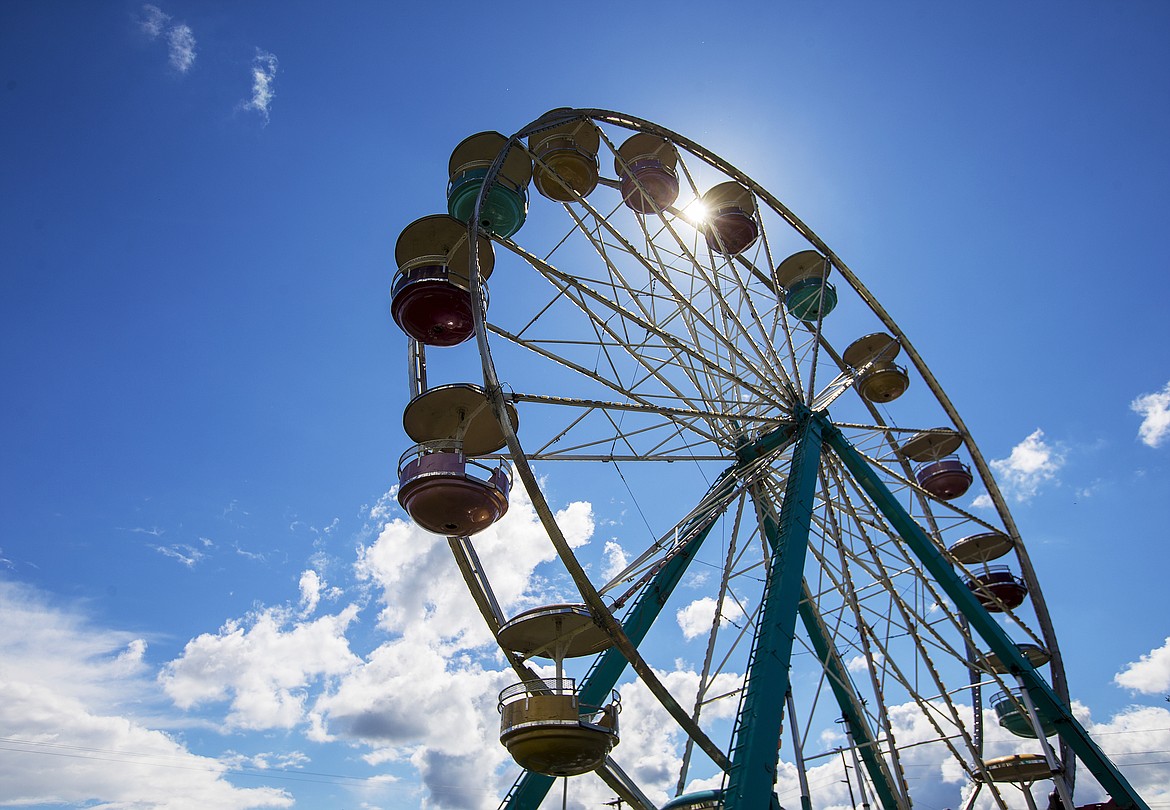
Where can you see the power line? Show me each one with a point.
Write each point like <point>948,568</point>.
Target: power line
<point>127,758</point>
<point>94,754</point>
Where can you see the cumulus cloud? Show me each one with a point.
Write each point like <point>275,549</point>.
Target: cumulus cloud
<point>437,710</point>
<point>1031,464</point>
<point>1154,409</point>
<point>66,693</point>
<point>859,663</point>
<point>1136,740</point>
<point>264,67</point>
<point>615,559</point>
<point>422,592</point>
<point>425,695</point>
<point>652,744</point>
<point>696,618</point>
<point>180,38</point>
<point>428,694</point>
<point>1150,675</point>
<point>262,666</point>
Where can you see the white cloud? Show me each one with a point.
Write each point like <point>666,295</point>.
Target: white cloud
<point>1135,739</point>
<point>428,695</point>
<point>153,21</point>
<point>1032,463</point>
<point>264,67</point>
<point>411,701</point>
<point>282,760</point>
<point>615,559</point>
<point>67,689</point>
<point>187,555</point>
<point>180,38</point>
<point>310,591</point>
<point>859,663</point>
<point>695,618</point>
<point>181,42</point>
<point>423,593</point>
<point>1155,412</point>
<point>423,697</point>
<point>261,666</point>
<point>1150,675</point>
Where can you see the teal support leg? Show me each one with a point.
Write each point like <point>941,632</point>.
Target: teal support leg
<point>751,780</point>
<point>838,678</point>
<point>996,638</point>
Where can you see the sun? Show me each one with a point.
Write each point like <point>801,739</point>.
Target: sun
<point>696,211</point>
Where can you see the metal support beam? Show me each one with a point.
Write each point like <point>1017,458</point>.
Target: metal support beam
<point>1042,694</point>
<point>416,366</point>
<point>621,784</point>
<point>607,669</point>
<point>751,780</point>
<point>798,752</point>
<point>838,677</point>
<point>1053,764</point>
<point>851,710</point>
<point>531,788</point>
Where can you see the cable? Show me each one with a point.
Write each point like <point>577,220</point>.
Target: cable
<point>274,773</point>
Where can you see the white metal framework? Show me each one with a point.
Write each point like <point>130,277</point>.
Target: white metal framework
<point>648,360</point>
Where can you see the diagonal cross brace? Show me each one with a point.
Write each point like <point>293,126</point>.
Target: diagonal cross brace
<point>531,788</point>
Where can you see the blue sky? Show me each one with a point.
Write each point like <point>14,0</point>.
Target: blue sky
<point>203,386</point>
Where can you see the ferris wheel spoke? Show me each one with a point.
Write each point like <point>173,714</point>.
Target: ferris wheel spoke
<point>712,284</point>
<point>1040,691</point>
<point>709,284</point>
<point>695,426</point>
<point>885,661</point>
<point>691,528</point>
<point>874,670</point>
<point>754,420</point>
<point>779,322</point>
<point>584,296</point>
<point>686,303</point>
<point>938,600</point>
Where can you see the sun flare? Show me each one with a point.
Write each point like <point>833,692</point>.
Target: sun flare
<point>696,212</point>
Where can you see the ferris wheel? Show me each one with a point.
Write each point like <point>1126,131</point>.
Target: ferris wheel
<point>800,487</point>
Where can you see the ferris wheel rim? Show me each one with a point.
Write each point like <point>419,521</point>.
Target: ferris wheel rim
<point>520,457</point>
